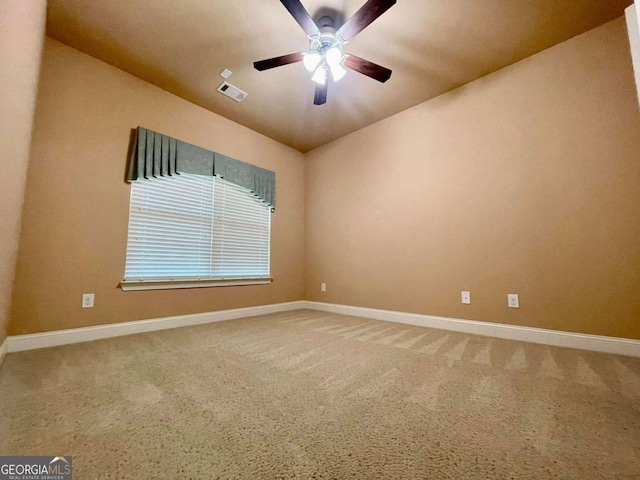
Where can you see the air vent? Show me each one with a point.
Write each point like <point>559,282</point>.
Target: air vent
<point>232,92</point>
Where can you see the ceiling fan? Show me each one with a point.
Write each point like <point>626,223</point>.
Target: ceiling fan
<point>325,57</point>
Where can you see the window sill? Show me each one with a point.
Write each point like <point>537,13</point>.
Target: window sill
<point>135,285</point>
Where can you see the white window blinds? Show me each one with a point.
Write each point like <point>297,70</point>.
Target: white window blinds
<point>195,227</point>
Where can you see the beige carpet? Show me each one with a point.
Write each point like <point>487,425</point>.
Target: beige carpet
<point>313,395</point>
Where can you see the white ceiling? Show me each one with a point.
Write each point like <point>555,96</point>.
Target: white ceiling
<point>432,46</point>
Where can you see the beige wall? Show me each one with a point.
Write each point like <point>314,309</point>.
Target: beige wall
<point>76,206</point>
<point>526,181</point>
<point>22,25</point>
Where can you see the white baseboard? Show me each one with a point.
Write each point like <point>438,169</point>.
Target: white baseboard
<point>4,349</point>
<point>618,346</point>
<point>18,343</point>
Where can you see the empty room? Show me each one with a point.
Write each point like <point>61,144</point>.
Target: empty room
<point>320,239</point>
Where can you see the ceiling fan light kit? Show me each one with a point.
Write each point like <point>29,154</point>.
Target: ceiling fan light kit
<point>325,58</point>
<point>325,55</point>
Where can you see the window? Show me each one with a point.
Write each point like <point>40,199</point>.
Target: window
<point>194,230</point>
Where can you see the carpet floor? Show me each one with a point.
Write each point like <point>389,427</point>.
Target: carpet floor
<point>313,395</point>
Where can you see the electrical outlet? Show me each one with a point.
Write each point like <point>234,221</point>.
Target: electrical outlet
<point>466,297</point>
<point>512,299</point>
<point>87,300</point>
<point>323,287</point>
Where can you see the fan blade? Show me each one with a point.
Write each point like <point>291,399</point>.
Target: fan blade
<point>300,14</point>
<point>320,97</point>
<point>367,68</point>
<point>364,17</point>
<point>277,61</point>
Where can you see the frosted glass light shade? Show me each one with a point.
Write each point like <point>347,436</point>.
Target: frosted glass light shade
<point>337,72</point>
<point>320,76</point>
<point>311,61</point>
<point>333,56</point>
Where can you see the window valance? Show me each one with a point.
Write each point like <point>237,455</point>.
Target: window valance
<point>157,155</point>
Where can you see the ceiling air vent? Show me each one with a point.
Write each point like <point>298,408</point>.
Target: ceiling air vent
<point>232,92</point>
